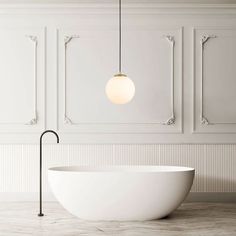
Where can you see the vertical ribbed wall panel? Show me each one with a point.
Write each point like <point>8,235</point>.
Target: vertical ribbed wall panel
<point>86,154</point>
<point>30,168</point>
<point>53,155</point>
<point>186,155</point>
<point>11,171</point>
<point>220,168</point>
<point>215,164</point>
<point>136,154</point>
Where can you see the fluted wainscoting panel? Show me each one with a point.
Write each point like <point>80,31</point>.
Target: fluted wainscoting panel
<point>90,154</point>
<point>220,173</point>
<point>215,164</point>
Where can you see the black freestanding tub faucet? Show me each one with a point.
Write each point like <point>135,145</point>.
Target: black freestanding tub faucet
<point>40,168</point>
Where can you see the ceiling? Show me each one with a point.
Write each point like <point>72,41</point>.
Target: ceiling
<point>124,1</point>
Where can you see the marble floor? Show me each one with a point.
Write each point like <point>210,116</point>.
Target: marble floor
<point>191,219</point>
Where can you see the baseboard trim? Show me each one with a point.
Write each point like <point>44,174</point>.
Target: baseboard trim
<point>211,197</point>
<point>192,197</point>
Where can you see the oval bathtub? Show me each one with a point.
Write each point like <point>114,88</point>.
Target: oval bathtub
<point>121,192</point>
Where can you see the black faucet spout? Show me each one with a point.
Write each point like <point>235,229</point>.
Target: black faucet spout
<point>40,168</point>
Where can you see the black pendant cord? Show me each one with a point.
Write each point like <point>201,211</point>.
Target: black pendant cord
<point>120,36</point>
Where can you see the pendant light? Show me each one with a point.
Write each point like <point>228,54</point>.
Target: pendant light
<point>120,89</point>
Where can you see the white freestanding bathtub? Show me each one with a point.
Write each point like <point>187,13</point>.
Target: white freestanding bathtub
<point>121,192</point>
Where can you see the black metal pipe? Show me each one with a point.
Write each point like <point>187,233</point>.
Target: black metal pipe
<point>40,168</point>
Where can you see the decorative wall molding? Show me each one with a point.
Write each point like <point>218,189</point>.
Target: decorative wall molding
<point>34,120</point>
<point>104,7</point>
<point>203,40</point>
<point>67,40</point>
<point>203,119</point>
<point>170,121</point>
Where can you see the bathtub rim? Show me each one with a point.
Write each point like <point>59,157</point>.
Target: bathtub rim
<point>121,169</point>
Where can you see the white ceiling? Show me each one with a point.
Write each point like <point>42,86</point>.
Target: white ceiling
<point>124,1</point>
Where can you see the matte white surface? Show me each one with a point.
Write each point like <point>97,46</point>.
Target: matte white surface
<point>92,59</point>
<point>22,90</point>
<point>197,2</point>
<point>121,192</point>
<point>218,69</point>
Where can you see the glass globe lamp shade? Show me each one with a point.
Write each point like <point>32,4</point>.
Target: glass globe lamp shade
<point>120,89</point>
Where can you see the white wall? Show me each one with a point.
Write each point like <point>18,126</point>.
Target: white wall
<point>56,60</point>
<point>46,79</point>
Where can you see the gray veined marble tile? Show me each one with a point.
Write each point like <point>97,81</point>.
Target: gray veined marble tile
<point>191,219</point>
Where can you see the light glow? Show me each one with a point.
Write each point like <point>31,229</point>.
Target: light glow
<point>120,89</point>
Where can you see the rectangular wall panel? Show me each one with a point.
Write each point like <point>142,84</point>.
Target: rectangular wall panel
<point>22,76</point>
<point>55,63</point>
<point>88,59</point>
<point>214,100</point>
